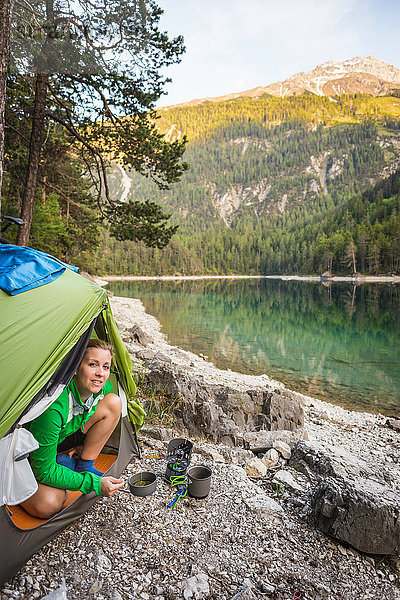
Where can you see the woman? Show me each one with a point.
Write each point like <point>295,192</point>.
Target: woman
<point>87,404</point>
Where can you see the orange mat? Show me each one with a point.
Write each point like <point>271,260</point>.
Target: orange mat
<point>22,520</point>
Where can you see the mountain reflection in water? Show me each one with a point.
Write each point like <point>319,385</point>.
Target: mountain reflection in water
<point>339,343</point>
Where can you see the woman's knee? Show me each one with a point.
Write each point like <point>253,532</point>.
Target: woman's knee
<point>46,506</point>
<point>52,505</point>
<point>113,403</point>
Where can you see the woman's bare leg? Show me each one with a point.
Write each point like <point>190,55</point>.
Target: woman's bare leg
<point>45,502</point>
<point>101,425</point>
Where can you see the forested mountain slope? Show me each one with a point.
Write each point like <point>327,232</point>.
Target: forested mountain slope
<point>276,185</point>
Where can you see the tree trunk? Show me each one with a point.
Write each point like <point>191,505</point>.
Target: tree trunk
<point>6,7</point>
<point>353,258</point>
<point>35,147</point>
<point>36,141</point>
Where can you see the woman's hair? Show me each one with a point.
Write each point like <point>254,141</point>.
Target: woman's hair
<point>101,344</point>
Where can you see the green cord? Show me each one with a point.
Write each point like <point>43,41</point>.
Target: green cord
<point>177,480</point>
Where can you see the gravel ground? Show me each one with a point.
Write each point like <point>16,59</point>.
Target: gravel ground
<point>241,542</point>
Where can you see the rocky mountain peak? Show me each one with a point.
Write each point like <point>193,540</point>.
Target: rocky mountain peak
<point>358,75</point>
<point>366,75</point>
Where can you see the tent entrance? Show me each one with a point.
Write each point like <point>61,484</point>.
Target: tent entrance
<point>22,520</point>
<point>45,332</point>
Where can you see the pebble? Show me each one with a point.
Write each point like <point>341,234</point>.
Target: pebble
<point>291,481</point>
<point>267,588</point>
<point>283,449</point>
<point>96,587</point>
<point>256,468</point>
<point>263,506</point>
<point>196,587</point>
<point>271,458</point>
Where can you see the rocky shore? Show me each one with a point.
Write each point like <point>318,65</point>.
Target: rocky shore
<point>305,495</point>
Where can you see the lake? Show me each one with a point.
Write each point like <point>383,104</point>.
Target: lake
<point>339,343</point>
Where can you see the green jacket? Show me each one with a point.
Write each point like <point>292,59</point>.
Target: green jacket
<point>65,416</point>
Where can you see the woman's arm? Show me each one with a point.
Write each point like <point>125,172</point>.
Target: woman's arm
<point>46,429</point>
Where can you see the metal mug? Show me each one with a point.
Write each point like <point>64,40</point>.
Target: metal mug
<point>199,481</point>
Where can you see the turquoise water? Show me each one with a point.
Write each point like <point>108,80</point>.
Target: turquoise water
<point>339,343</point>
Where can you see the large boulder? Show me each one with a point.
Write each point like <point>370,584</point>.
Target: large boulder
<point>172,381</point>
<point>361,512</point>
<point>315,459</point>
<point>280,412</point>
<point>220,412</point>
<point>351,499</point>
<point>208,420</point>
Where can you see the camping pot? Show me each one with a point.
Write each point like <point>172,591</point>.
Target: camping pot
<point>199,481</point>
<point>182,444</point>
<point>143,483</point>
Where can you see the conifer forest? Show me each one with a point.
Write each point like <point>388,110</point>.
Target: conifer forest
<point>298,185</point>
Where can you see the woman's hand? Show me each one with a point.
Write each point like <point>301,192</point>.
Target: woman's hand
<point>75,452</point>
<point>109,485</point>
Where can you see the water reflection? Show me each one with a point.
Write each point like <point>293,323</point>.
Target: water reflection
<point>339,343</point>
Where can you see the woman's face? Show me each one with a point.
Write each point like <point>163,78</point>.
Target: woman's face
<point>93,372</point>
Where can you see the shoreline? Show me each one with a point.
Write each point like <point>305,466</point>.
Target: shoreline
<point>325,280</point>
<point>124,308</point>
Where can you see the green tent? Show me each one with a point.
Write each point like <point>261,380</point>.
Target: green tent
<point>44,331</point>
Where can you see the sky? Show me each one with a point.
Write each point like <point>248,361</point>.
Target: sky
<point>236,45</point>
